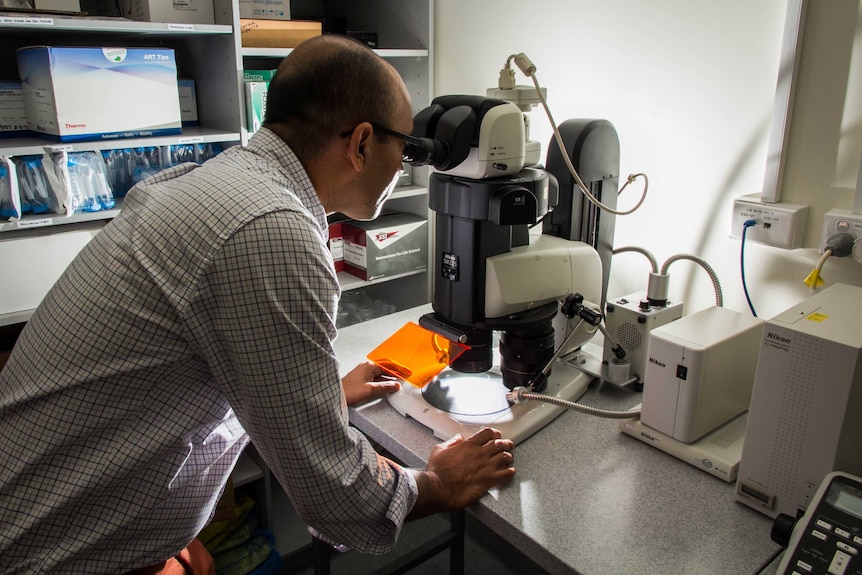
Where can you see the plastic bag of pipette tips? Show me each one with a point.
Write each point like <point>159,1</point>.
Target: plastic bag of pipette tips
<point>32,185</point>
<point>125,167</point>
<point>181,153</point>
<point>10,200</point>
<point>88,183</point>
<point>77,182</point>
<point>207,151</point>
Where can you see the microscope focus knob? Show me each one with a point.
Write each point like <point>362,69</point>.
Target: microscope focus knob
<point>782,529</point>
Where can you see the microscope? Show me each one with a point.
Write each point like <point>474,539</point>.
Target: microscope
<point>499,279</point>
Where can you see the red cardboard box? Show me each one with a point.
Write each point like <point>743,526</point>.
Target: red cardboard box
<point>390,245</point>
<point>336,245</point>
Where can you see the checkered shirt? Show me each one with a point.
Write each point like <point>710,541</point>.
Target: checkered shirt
<point>202,316</point>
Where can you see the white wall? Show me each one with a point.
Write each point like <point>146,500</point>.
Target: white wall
<point>689,85</point>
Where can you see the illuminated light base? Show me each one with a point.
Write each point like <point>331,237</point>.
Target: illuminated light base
<point>466,402</point>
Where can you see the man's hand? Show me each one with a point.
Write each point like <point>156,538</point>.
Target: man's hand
<point>365,382</point>
<point>461,470</point>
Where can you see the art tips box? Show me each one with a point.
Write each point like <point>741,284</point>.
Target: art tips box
<point>391,245</point>
<point>87,93</point>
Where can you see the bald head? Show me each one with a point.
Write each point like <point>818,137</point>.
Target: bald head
<point>327,85</point>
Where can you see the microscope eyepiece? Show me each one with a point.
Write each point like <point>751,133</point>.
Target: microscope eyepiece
<point>419,151</point>
<point>424,151</point>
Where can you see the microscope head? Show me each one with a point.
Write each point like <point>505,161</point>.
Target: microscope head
<point>469,136</point>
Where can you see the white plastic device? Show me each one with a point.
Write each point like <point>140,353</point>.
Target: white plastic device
<point>828,537</point>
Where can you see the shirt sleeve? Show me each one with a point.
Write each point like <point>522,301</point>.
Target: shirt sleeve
<point>265,315</point>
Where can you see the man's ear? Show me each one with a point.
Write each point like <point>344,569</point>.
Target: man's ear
<point>357,145</point>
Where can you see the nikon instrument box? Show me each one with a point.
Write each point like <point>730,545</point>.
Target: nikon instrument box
<point>804,420</point>
<point>86,93</point>
<point>391,245</point>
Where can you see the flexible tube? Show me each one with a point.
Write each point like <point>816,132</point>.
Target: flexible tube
<point>519,394</point>
<point>719,299</point>
<point>653,262</point>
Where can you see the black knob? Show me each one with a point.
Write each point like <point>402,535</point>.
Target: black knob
<point>782,528</point>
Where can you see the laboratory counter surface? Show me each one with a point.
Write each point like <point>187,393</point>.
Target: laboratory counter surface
<point>587,498</point>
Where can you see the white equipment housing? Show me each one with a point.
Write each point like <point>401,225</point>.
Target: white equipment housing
<point>804,420</point>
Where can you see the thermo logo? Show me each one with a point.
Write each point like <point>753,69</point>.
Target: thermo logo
<point>775,337</point>
<point>657,362</point>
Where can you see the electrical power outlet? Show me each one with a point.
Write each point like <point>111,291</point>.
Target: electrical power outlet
<point>781,225</point>
<point>839,221</point>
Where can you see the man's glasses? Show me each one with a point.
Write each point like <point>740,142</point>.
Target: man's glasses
<point>413,146</point>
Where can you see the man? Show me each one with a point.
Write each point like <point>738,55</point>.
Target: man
<point>203,316</point>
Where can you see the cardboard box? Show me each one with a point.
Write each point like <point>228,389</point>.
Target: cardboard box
<point>255,104</point>
<point>188,102</point>
<point>176,11</point>
<point>13,114</point>
<point>258,75</point>
<point>59,5</point>
<point>78,94</point>
<point>336,245</point>
<point>265,9</point>
<point>391,245</point>
<point>277,33</point>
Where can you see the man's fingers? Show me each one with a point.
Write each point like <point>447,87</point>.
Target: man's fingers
<point>485,435</point>
<point>496,446</point>
<point>384,387</point>
<point>454,440</point>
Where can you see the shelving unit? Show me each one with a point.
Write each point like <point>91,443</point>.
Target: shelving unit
<point>213,56</point>
<point>36,249</point>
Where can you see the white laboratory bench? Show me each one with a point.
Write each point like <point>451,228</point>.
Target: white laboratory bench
<point>586,498</point>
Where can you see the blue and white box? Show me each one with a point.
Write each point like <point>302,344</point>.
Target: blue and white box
<point>13,116</point>
<point>88,93</point>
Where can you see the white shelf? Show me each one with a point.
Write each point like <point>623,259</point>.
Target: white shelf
<point>191,135</point>
<point>282,52</point>
<point>408,192</point>
<point>12,23</point>
<point>349,281</point>
<point>32,221</point>
<point>22,316</point>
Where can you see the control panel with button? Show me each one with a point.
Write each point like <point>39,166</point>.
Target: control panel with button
<point>828,538</point>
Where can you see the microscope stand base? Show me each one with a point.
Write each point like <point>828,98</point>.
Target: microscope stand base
<point>516,422</point>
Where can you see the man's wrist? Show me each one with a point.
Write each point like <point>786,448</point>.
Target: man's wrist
<point>431,494</point>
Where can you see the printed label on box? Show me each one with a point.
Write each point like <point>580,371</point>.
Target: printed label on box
<point>255,105</point>
<point>13,115</point>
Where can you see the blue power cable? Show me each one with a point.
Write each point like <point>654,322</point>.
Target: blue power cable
<point>747,224</point>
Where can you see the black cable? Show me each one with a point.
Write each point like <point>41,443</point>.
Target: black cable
<point>745,226</point>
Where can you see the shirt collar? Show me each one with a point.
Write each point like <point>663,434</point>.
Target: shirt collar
<point>267,144</point>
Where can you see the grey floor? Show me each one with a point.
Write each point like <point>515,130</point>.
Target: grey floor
<point>485,553</point>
